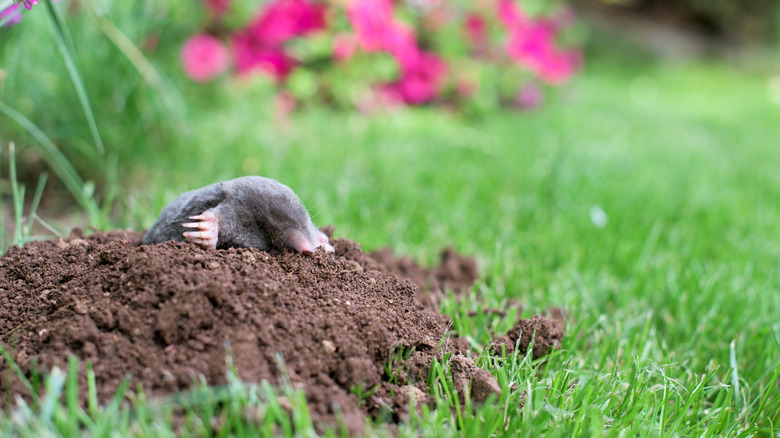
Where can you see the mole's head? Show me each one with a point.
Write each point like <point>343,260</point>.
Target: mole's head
<point>273,211</point>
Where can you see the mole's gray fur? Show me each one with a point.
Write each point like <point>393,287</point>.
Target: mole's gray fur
<point>252,211</point>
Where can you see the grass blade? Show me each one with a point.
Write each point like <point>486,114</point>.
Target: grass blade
<point>17,193</point>
<point>735,375</point>
<point>19,373</point>
<point>36,201</point>
<point>92,400</point>
<point>46,225</point>
<point>58,162</point>
<point>762,405</point>
<point>68,52</point>
<point>169,95</point>
<point>2,222</point>
<point>54,384</point>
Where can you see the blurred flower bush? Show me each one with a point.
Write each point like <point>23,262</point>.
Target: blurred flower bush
<point>373,54</point>
<point>113,86</point>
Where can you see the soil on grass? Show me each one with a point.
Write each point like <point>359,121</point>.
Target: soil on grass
<point>168,313</point>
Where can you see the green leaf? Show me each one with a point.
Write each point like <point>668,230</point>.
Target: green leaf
<point>68,52</point>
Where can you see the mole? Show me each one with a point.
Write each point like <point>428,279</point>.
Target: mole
<point>250,212</point>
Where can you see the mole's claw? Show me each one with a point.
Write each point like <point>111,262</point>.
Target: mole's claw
<point>321,240</point>
<point>206,232</point>
<point>328,247</point>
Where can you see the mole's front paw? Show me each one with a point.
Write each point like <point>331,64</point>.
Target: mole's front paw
<point>207,230</point>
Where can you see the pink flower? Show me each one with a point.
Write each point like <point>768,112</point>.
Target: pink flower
<point>420,81</point>
<point>533,47</point>
<point>253,56</point>
<point>13,12</point>
<point>286,19</point>
<point>401,42</point>
<point>376,29</point>
<point>371,20</point>
<point>510,14</point>
<point>532,44</point>
<point>217,8</point>
<point>259,46</point>
<point>561,67</point>
<point>530,96</point>
<point>311,16</point>
<point>476,29</point>
<point>344,46</point>
<point>204,57</point>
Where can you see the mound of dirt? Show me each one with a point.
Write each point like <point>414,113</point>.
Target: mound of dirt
<point>543,332</point>
<point>168,313</point>
<point>454,272</point>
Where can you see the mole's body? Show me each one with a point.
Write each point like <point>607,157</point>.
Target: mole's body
<point>250,211</point>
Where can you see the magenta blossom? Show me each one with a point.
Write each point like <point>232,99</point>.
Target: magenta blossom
<point>13,12</point>
<point>344,46</point>
<point>251,56</point>
<point>283,20</point>
<point>259,46</point>
<point>28,4</point>
<point>376,29</point>
<point>476,29</point>
<point>204,57</point>
<point>372,21</point>
<point>532,46</point>
<point>561,67</point>
<point>217,8</point>
<point>530,96</point>
<point>510,14</point>
<point>531,43</point>
<point>401,42</point>
<point>420,81</point>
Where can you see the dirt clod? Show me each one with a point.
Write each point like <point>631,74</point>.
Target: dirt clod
<point>545,333</point>
<point>466,376</point>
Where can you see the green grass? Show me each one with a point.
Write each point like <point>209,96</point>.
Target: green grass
<point>674,302</point>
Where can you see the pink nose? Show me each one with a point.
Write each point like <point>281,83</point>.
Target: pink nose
<point>300,242</point>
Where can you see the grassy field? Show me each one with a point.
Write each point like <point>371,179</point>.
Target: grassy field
<point>643,200</point>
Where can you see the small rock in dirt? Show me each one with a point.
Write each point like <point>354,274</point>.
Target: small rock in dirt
<point>328,346</point>
<point>248,258</point>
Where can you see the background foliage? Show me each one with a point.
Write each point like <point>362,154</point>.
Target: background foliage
<point>753,21</point>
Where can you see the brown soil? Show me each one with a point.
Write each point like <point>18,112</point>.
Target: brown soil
<point>168,313</point>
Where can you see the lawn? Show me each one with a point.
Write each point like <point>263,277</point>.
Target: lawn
<point>642,199</point>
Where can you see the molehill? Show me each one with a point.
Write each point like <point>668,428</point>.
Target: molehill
<point>167,314</point>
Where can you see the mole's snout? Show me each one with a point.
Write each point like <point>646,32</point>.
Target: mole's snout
<point>298,240</point>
